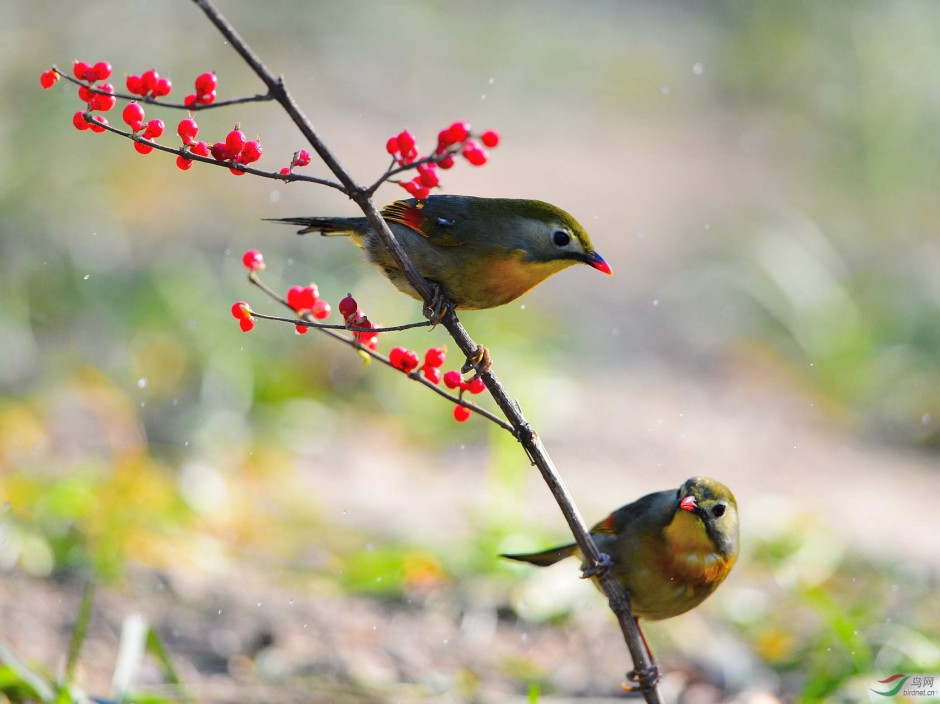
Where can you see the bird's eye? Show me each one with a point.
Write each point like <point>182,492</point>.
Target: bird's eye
<point>718,511</point>
<point>560,238</point>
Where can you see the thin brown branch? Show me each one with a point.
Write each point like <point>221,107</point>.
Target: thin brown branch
<point>618,599</point>
<point>334,326</point>
<point>182,151</point>
<point>196,107</point>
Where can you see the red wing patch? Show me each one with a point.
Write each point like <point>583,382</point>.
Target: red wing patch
<point>407,214</point>
<point>608,526</point>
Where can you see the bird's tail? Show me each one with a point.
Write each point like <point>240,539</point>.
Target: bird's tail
<point>546,557</point>
<point>327,226</point>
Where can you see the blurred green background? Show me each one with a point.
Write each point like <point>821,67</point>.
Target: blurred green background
<point>763,179</point>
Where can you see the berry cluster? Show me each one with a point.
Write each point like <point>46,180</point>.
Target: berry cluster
<point>133,115</point>
<point>301,158</point>
<point>242,313</point>
<point>450,141</point>
<point>149,84</point>
<point>408,361</point>
<point>237,149</point>
<point>306,299</point>
<point>102,101</point>
<point>187,130</point>
<point>355,318</point>
<point>206,84</point>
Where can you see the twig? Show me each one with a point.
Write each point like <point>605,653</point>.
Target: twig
<point>195,107</point>
<point>332,331</point>
<point>618,599</point>
<point>89,118</point>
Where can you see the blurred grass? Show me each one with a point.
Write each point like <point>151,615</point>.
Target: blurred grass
<point>139,426</point>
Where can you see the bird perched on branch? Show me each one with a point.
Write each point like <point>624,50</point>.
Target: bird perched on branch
<point>670,550</point>
<point>481,252</point>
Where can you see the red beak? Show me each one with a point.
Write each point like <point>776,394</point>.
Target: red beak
<point>688,504</point>
<point>597,261</point>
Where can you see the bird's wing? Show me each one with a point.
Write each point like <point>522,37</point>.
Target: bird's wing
<point>432,218</point>
<point>657,506</point>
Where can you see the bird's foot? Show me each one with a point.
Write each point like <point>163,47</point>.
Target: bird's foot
<point>438,307</point>
<point>598,570</point>
<point>641,680</point>
<point>479,362</point>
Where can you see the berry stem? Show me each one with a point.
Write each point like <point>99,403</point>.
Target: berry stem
<point>333,331</point>
<point>186,153</point>
<point>197,107</point>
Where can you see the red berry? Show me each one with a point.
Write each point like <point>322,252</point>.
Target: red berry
<point>301,329</point>
<point>452,379</point>
<point>416,188</point>
<point>183,163</point>
<point>143,148</point>
<point>476,386</point>
<point>81,69</point>
<point>241,310</point>
<point>428,175</point>
<point>406,142</point>
<point>490,138</point>
<point>235,140</point>
<point>103,102</point>
<point>246,324</point>
<point>474,154</point>
<point>162,87</point>
<point>284,172</point>
<point>391,146</point>
<point>206,82</point>
<point>188,101</point>
<point>237,172</point>
<point>100,122</point>
<point>155,129</point>
<point>435,356</point>
<point>85,94</point>
<point>293,297</point>
<point>47,79</point>
<point>410,360</point>
<point>321,309</point>
<point>396,357</point>
<point>187,129</point>
<point>301,158</point>
<point>251,152</point>
<point>432,374</point>
<point>78,119</point>
<point>447,162</point>
<point>220,152</point>
<point>133,115</point>
<point>457,132</point>
<point>253,260</point>
<point>134,85</point>
<point>199,149</point>
<point>206,98</point>
<point>348,306</point>
<point>102,71</point>
<point>461,414</point>
<point>148,79</point>
<point>302,297</point>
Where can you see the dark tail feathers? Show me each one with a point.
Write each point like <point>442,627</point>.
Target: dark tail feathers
<point>546,557</point>
<point>325,226</point>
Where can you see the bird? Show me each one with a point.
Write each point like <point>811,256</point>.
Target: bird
<point>480,252</point>
<point>670,549</point>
